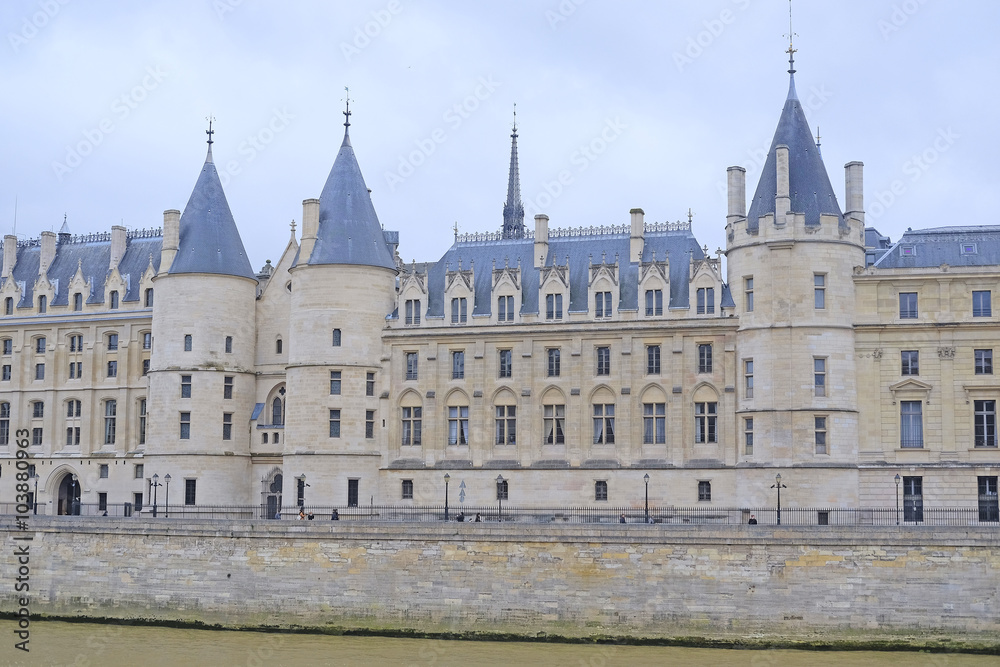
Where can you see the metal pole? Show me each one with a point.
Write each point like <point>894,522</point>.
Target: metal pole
<point>166,512</point>
<point>446,478</point>
<point>646,478</point>
<point>34,498</point>
<point>897,499</point>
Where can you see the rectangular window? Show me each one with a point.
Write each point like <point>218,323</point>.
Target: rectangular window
<point>412,312</point>
<point>110,421</point>
<point>369,384</point>
<point>985,423</point>
<point>506,363</point>
<point>369,424</point>
<point>553,424</point>
<point>352,492</point>
<point>907,305</point>
<point>76,343</point>
<point>229,344</point>
<point>185,426</point>
<point>73,408</point>
<point>8,306</point>
<point>706,300</point>
<point>459,309</point>
<point>102,502</point>
<point>77,301</point>
<point>654,302</point>
<point>748,294</point>
<point>75,370</point>
<point>112,342</point>
<point>553,362</point>
<point>819,434</point>
<point>335,383</point>
<point>819,291</point>
<point>149,297</point>
<point>142,421</point>
<point>5,424</point>
<point>114,299</point>
<point>72,436</point>
<point>748,436</point>
<point>145,366</point>
<point>112,369</point>
<point>604,361</point>
<point>748,378</point>
<point>553,306</point>
<point>5,376</point>
<point>989,509</point>
<point>458,365</point>
<point>187,342</point>
<point>704,491</point>
<point>458,425</point>
<point>705,427</point>
<point>505,308</point>
<point>36,436</point>
<point>981,306</point>
<point>137,502</point>
<point>334,423</point>
<point>40,345</point>
<point>911,427</point>
<point>227,387</point>
<point>185,386</point>
<point>190,488</point>
<point>37,410</point>
<point>705,358</point>
<point>407,489</point>
<point>411,426</point>
<point>913,499</point>
<point>39,371</point>
<point>602,304</point>
<point>654,423</point>
<point>137,471</point>
<point>506,425</point>
<point>909,362</point>
<point>8,346</point>
<point>411,365</point>
<point>600,490</point>
<point>984,362</point>
<point>147,340</point>
<point>336,337</point>
<point>652,360</point>
<point>42,305</point>
<point>227,425</point>
<point>604,424</point>
<point>819,376</point>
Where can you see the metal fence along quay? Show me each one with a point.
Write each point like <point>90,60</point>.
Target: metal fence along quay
<point>654,516</point>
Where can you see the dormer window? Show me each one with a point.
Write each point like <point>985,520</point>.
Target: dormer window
<point>602,304</point>
<point>553,306</point>
<point>114,299</point>
<point>459,311</point>
<point>908,250</point>
<point>8,306</point>
<point>149,298</point>
<point>706,300</point>
<point>42,304</point>
<point>505,309</point>
<point>412,312</point>
<point>78,301</point>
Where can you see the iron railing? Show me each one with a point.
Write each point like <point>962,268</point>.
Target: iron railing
<point>603,514</point>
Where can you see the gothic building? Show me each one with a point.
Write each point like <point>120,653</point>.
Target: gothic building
<point>572,361</point>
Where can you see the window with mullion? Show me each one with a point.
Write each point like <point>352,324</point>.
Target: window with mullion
<point>985,423</point>
<point>604,424</point>
<point>458,425</point>
<point>911,428</point>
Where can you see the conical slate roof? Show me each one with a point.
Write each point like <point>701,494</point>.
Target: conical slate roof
<point>808,183</point>
<point>349,230</point>
<point>209,239</point>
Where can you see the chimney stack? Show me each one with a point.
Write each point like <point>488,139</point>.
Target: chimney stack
<point>310,228</point>
<point>638,228</point>
<point>48,253</point>
<point>118,239</point>
<point>171,238</point>
<point>541,239</point>
<point>737,177</point>
<point>9,254</point>
<point>854,175</point>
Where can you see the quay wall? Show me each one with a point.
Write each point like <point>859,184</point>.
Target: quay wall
<point>635,581</point>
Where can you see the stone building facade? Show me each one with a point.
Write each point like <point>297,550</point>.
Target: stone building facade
<point>573,362</point>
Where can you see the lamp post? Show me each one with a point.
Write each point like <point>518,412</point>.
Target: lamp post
<point>74,503</point>
<point>779,486</point>
<point>645,478</point>
<point>897,498</point>
<point>301,479</point>
<point>500,481</point>
<point>446,478</point>
<point>155,484</point>
<point>34,498</point>
<point>166,511</point>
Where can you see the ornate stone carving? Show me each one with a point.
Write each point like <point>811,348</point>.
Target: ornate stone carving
<point>946,352</point>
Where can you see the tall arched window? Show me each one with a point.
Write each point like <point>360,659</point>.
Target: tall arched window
<point>277,411</point>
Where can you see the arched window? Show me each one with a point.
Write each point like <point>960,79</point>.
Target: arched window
<point>277,411</point>
<point>277,346</point>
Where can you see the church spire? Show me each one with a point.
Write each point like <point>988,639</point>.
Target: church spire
<point>209,132</point>
<point>513,209</point>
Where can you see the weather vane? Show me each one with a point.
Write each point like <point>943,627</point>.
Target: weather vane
<point>791,49</point>
<point>515,117</point>
<point>210,118</point>
<point>347,107</point>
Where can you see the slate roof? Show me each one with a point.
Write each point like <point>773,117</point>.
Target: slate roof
<point>209,239</point>
<point>927,248</point>
<point>809,184</point>
<point>680,247</point>
<point>349,230</point>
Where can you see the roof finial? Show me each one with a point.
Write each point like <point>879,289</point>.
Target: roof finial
<point>791,49</point>
<point>210,118</point>
<point>347,107</point>
<point>515,120</point>
<point>456,230</point>
<point>690,217</point>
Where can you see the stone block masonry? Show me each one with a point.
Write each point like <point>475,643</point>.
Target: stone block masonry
<point>574,581</point>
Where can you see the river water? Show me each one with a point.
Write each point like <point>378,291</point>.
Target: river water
<point>95,645</point>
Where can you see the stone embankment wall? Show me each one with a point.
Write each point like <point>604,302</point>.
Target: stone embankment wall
<point>635,580</point>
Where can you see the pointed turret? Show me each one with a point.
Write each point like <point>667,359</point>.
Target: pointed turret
<point>349,231</point>
<point>513,209</point>
<point>209,240</point>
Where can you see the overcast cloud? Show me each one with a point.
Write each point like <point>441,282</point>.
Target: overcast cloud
<point>628,103</point>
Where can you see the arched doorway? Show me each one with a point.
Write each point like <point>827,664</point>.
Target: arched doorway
<point>272,495</point>
<point>68,496</point>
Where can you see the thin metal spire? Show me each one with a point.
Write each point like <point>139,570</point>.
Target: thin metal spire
<point>513,209</point>
<point>210,118</point>
<point>347,108</point>
<point>791,49</point>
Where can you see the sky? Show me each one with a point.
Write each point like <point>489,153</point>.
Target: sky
<point>619,105</point>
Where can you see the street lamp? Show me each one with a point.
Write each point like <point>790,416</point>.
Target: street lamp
<point>500,481</point>
<point>301,479</point>
<point>74,503</point>
<point>446,478</point>
<point>34,498</point>
<point>897,498</point>
<point>166,478</point>
<point>779,486</point>
<point>645,478</point>
<point>155,484</point>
